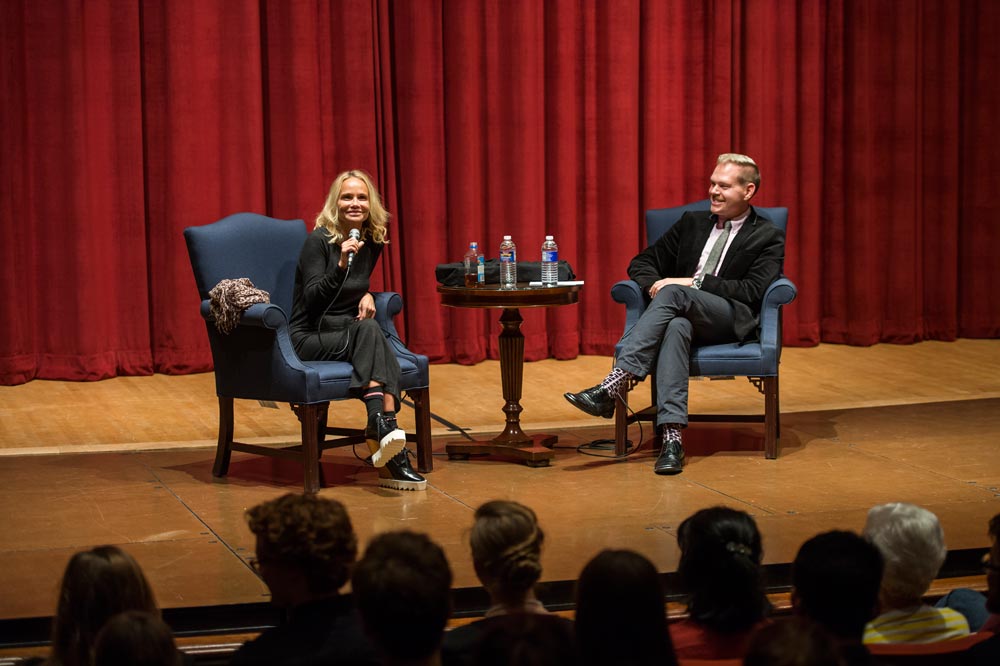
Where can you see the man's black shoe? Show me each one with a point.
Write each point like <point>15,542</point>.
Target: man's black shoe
<point>596,401</point>
<point>671,460</point>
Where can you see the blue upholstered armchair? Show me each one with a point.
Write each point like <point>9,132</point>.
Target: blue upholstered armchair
<point>256,361</point>
<point>757,361</point>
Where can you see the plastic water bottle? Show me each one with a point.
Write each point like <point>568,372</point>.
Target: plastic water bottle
<point>474,266</point>
<point>480,268</point>
<point>508,264</point>
<point>550,262</point>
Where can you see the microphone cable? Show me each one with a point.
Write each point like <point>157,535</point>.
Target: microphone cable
<point>319,324</point>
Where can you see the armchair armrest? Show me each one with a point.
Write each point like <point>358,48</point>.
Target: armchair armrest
<point>628,293</point>
<point>261,315</point>
<point>387,305</point>
<point>781,292</point>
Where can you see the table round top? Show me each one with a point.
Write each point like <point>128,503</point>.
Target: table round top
<point>524,296</point>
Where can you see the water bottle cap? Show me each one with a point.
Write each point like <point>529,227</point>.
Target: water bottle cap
<point>506,237</point>
<point>473,244</point>
<point>548,238</point>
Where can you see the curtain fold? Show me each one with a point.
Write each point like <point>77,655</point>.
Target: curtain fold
<point>126,121</point>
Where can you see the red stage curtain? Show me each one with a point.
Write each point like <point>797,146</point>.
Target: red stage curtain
<point>125,121</point>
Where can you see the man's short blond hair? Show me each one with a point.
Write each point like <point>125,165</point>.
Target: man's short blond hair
<point>749,173</point>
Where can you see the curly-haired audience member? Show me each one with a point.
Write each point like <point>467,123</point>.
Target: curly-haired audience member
<point>720,571</point>
<point>97,585</point>
<point>402,585</point>
<point>506,544</point>
<point>911,542</point>
<point>621,613</point>
<point>305,550</point>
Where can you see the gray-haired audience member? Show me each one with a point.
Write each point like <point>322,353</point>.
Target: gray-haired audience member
<point>402,585</point>
<point>911,542</point>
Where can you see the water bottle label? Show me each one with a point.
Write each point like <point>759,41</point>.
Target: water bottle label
<point>550,255</point>
<point>506,257</point>
<point>481,270</point>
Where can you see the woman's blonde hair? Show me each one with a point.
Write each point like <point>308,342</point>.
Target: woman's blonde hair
<point>374,227</point>
<point>507,546</point>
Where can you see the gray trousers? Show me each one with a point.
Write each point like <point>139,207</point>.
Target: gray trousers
<point>661,340</point>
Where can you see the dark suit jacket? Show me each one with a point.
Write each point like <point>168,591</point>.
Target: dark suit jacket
<point>326,632</point>
<point>753,261</point>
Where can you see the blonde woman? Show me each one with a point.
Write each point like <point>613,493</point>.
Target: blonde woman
<point>506,543</point>
<point>333,315</point>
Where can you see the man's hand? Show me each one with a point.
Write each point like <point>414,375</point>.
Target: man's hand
<point>660,284</point>
<point>366,308</point>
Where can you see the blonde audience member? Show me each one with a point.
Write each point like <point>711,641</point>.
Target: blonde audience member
<point>506,543</point>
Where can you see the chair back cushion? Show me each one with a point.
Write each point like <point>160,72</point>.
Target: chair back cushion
<point>264,249</point>
<point>659,220</point>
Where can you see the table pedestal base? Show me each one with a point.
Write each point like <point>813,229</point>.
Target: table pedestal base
<point>536,453</point>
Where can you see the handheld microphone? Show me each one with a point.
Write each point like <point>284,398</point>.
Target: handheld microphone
<point>356,235</point>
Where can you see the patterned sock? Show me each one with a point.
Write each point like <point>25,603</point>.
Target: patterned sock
<point>615,379</point>
<point>373,398</point>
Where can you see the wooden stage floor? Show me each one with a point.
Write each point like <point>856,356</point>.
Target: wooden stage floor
<point>128,461</point>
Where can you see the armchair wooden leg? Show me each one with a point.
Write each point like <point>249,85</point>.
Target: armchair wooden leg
<point>224,448</point>
<point>422,435</point>
<point>313,420</point>
<point>621,422</point>
<point>770,417</point>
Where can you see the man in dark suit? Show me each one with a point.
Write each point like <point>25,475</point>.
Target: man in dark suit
<point>706,279</point>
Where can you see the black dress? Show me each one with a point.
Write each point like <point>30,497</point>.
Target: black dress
<point>325,302</point>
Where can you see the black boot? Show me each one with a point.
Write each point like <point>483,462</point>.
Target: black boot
<point>596,401</point>
<point>398,475</point>
<point>671,460</point>
<point>385,440</point>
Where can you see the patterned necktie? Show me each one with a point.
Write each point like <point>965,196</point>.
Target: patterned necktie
<point>720,244</point>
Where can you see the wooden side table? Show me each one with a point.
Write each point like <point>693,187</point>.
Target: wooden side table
<point>534,450</point>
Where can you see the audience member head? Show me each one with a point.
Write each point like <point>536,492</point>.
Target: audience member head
<point>402,586</point>
<point>793,641</point>
<point>836,577</point>
<point>720,569</point>
<point>621,613</point>
<point>97,584</point>
<point>911,542</point>
<point>506,546</point>
<point>305,546</point>
<point>527,639</point>
<point>375,226</point>
<point>135,638</point>
<point>993,568</point>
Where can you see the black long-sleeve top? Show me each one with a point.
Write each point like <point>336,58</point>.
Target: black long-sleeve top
<point>318,277</point>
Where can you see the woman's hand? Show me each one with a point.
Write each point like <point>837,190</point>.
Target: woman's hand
<point>349,245</point>
<point>366,308</point>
